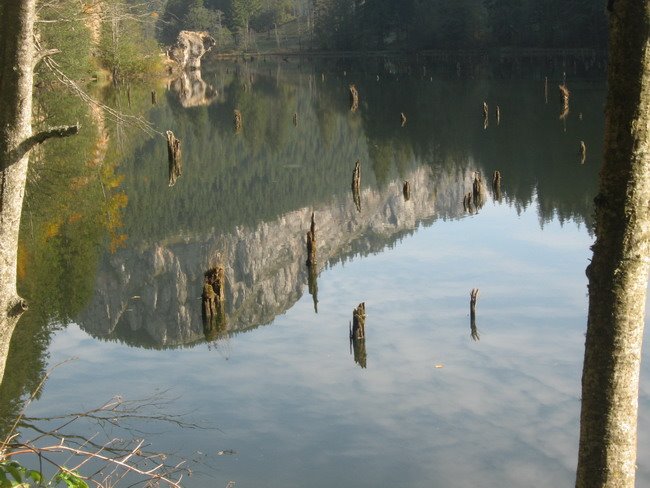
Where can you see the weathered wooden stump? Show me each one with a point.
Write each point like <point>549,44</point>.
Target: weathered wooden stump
<point>154,97</point>
<point>311,243</point>
<point>402,119</point>
<point>486,112</point>
<point>473,296</point>
<point>478,198</point>
<point>174,157</point>
<point>312,284</point>
<point>358,347</point>
<point>497,113</point>
<point>295,119</point>
<point>564,99</point>
<point>467,202</point>
<point>237,120</point>
<point>354,98</point>
<point>583,152</point>
<point>496,185</point>
<point>214,287</point>
<point>356,185</point>
<point>406,190</point>
<point>358,327</point>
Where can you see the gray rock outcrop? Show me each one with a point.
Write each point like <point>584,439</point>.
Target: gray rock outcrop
<point>189,48</point>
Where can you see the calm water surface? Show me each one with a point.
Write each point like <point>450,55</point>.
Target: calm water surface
<point>425,401</point>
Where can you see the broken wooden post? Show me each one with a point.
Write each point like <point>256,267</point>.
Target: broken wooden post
<point>174,157</point>
<point>486,116</point>
<point>237,120</point>
<point>295,119</point>
<point>564,98</point>
<point>358,327</point>
<point>311,243</point>
<point>583,152</point>
<point>496,185</point>
<point>154,98</point>
<point>472,314</point>
<point>477,191</point>
<point>406,190</point>
<point>402,119</point>
<point>358,347</point>
<point>354,98</point>
<point>356,185</point>
<point>497,112</point>
<point>467,202</point>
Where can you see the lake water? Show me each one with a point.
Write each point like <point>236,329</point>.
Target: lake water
<point>282,396</point>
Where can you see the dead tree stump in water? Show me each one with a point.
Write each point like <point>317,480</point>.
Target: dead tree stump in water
<point>478,198</point>
<point>356,185</point>
<point>406,190</point>
<point>358,328</point>
<point>497,113</point>
<point>402,119</point>
<point>311,243</point>
<point>564,99</point>
<point>467,202</point>
<point>473,296</point>
<point>583,152</point>
<point>154,98</point>
<point>295,119</point>
<point>358,347</point>
<point>214,289</point>
<point>354,98</point>
<point>496,185</point>
<point>237,120</point>
<point>486,115</point>
<point>174,157</point>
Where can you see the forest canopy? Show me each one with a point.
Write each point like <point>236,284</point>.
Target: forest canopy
<point>396,24</point>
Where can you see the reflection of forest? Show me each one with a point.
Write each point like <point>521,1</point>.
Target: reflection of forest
<point>244,198</point>
<point>243,195</point>
<point>150,296</point>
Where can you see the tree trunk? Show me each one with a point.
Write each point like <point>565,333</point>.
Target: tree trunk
<point>16,78</point>
<point>618,274</point>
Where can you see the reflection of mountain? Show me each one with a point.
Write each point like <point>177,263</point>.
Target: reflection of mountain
<point>151,296</point>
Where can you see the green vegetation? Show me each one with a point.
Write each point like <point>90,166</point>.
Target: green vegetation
<point>354,25</point>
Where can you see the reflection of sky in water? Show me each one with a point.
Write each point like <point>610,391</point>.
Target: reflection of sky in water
<point>299,412</point>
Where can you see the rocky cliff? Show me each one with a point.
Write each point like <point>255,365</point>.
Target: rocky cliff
<point>151,297</point>
<point>189,48</point>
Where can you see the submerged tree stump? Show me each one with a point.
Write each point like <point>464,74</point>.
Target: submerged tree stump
<point>402,119</point>
<point>354,98</point>
<point>311,243</point>
<point>478,198</point>
<point>237,120</point>
<point>214,286</point>
<point>358,326</point>
<point>583,152</point>
<point>496,185</point>
<point>356,185</point>
<point>295,119</point>
<point>473,296</point>
<point>467,202</point>
<point>174,157</point>
<point>358,347</point>
<point>406,190</point>
<point>564,99</point>
<point>312,284</point>
<point>497,113</point>
<point>154,98</point>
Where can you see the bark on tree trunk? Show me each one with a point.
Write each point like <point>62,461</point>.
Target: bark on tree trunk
<point>618,274</point>
<point>16,78</point>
